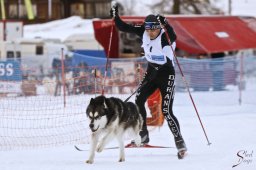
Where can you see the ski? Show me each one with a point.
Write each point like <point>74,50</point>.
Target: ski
<point>128,146</point>
<point>79,149</point>
<point>131,145</point>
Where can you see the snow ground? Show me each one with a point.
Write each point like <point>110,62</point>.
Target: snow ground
<point>230,128</point>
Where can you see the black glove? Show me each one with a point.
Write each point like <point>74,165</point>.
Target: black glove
<point>161,19</point>
<point>114,11</point>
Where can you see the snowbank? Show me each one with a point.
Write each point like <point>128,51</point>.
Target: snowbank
<point>60,29</point>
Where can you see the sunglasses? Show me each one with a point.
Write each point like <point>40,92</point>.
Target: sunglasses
<point>152,25</point>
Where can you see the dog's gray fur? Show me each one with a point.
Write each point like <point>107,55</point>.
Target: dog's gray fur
<point>112,117</point>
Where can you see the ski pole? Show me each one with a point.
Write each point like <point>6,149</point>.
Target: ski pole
<point>95,81</point>
<point>184,80</point>
<point>109,47</point>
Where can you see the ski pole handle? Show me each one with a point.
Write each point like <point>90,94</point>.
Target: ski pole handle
<point>113,4</point>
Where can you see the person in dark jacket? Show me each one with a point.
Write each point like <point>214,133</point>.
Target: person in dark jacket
<point>160,73</point>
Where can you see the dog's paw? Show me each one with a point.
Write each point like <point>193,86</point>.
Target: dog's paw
<point>89,161</point>
<point>121,160</point>
<point>138,142</point>
<point>100,148</point>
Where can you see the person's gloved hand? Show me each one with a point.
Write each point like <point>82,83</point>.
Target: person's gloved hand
<point>114,11</point>
<point>161,19</point>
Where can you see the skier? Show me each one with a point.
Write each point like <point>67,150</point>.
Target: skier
<point>160,71</point>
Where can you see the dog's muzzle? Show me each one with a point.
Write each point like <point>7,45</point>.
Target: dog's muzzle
<point>92,127</point>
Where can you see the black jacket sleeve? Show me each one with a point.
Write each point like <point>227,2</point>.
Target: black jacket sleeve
<point>122,26</point>
<point>171,33</point>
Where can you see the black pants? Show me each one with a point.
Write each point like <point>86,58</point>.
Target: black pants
<point>161,77</point>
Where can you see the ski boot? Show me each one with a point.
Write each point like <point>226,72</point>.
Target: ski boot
<point>181,146</point>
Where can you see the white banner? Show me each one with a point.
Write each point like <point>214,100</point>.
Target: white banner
<point>10,87</point>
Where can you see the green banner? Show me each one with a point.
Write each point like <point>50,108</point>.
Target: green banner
<point>3,10</point>
<point>29,9</point>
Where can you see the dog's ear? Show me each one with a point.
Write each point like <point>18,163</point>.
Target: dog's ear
<point>105,105</point>
<point>92,100</point>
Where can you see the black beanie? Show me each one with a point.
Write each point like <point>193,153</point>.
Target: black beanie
<point>151,18</point>
<point>151,22</point>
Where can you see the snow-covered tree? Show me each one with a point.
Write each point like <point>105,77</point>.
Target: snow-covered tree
<point>185,7</point>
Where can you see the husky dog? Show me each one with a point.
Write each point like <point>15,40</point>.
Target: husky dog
<point>111,117</point>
